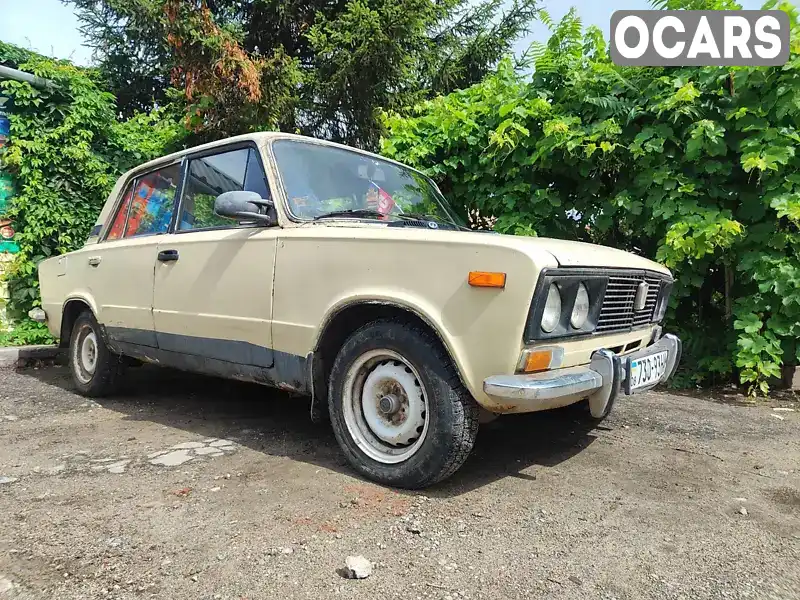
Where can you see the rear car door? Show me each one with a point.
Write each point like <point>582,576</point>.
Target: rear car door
<point>213,280</point>
<point>120,269</point>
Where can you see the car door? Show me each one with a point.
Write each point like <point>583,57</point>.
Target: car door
<point>120,269</point>
<point>213,280</point>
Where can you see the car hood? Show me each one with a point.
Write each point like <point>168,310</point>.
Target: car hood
<point>565,253</point>
<point>580,254</point>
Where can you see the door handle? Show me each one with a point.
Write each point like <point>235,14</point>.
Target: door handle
<point>167,255</point>
<point>94,260</point>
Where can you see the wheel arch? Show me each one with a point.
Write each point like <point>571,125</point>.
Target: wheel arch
<point>345,318</point>
<point>73,307</point>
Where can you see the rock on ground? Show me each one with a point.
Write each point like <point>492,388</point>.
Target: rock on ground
<point>358,567</point>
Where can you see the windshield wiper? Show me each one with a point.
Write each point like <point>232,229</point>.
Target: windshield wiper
<point>351,212</point>
<point>366,212</point>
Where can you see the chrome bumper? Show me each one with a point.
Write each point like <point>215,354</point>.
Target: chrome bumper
<point>601,381</point>
<point>38,315</point>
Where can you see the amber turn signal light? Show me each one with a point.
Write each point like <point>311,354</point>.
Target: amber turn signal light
<point>486,279</point>
<point>537,361</point>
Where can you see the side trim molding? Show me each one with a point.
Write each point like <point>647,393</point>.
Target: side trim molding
<point>230,359</point>
<point>243,353</point>
<point>139,337</point>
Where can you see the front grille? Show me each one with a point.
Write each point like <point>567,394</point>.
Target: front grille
<point>617,312</point>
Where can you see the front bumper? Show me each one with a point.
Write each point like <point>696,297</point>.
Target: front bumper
<point>601,381</point>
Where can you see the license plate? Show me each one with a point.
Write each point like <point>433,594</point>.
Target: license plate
<point>647,370</point>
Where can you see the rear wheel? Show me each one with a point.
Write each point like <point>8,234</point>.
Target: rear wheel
<point>398,408</point>
<point>94,367</point>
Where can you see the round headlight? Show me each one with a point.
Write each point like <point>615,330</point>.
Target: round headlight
<point>580,312</point>
<point>552,309</point>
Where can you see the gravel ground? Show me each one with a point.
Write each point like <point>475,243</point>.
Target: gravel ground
<point>194,488</point>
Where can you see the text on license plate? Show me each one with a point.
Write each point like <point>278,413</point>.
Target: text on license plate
<point>647,370</point>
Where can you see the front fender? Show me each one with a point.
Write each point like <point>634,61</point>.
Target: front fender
<point>321,270</point>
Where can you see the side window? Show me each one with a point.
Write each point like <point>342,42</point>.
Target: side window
<point>153,202</point>
<point>118,226</point>
<point>213,175</point>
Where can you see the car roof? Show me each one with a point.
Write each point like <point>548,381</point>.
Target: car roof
<point>259,138</point>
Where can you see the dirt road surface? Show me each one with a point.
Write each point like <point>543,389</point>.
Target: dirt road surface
<point>193,488</point>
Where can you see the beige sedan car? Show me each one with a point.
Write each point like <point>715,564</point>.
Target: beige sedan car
<point>338,274</point>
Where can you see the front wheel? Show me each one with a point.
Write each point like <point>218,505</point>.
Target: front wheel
<point>398,408</point>
<point>94,367</point>
<point>581,412</point>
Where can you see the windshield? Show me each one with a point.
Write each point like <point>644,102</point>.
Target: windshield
<point>322,181</point>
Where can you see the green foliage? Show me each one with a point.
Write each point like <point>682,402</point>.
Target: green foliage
<point>317,67</point>
<point>696,4</point>
<point>26,333</point>
<point>695,167</point>
<point>66,151</point>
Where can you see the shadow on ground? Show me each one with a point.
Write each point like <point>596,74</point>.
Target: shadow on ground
<point>277,424</point>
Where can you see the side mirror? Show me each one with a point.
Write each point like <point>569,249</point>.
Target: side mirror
<point>243,205</point>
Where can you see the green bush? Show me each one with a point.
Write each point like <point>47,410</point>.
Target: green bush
<point>694,167</point>
<point>25,333</point>
<point>66,150</point>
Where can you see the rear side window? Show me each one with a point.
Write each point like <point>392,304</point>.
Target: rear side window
<point>210,176</point>
<point>118,226</point>
<point>153,202</point>
<point>148,204</point>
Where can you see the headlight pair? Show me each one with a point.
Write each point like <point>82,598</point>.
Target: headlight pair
<point>565,304</point>
<point>552,308</point>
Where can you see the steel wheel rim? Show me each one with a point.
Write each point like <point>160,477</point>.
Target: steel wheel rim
<point>385,406</point>
<point>85,354</point>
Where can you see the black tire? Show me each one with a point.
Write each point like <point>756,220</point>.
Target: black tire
<point>581,412</point>
<point>451,412</point>
<point>102,379</point>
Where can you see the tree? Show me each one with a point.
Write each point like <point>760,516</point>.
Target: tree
<point>135,69</point>
<point>323,67</point>
<point>695,167</point>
